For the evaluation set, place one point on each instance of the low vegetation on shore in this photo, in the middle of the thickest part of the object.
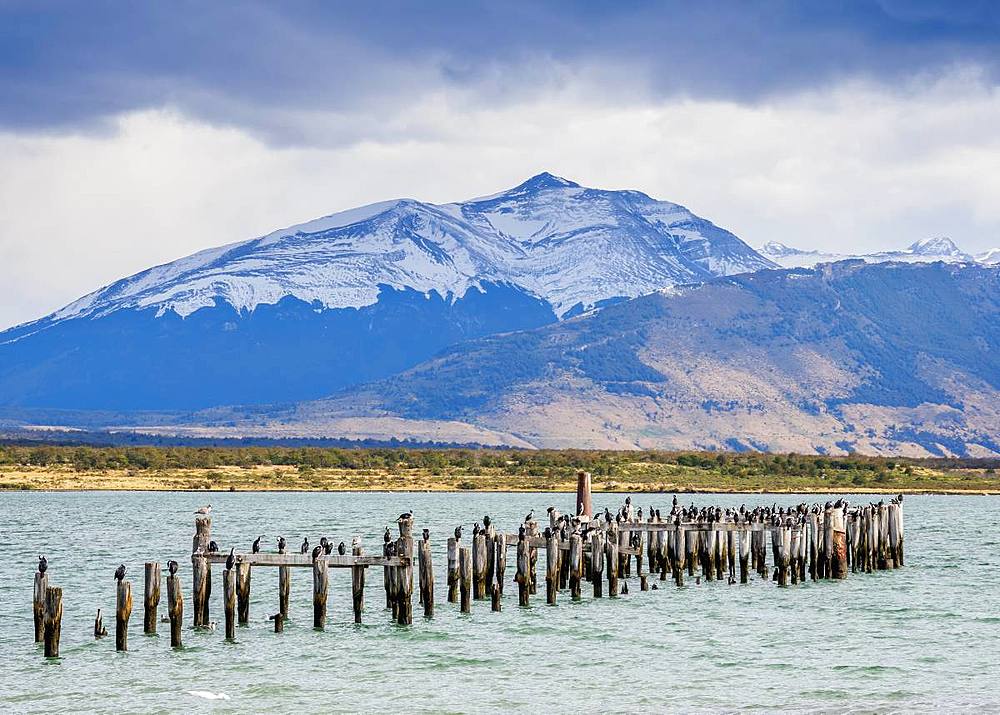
(54, 467)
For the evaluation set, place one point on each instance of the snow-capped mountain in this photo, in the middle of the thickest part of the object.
(358, 295)
(927, 250)
(990, 257)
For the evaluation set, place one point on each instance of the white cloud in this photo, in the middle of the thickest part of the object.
(854, 167)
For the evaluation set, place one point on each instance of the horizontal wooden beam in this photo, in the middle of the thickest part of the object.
(334, 561)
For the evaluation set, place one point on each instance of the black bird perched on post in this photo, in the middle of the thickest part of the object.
(212, 547)
(530, 517)
(120, 572)
(521, 533)
(458, 533)
(304, 549)
(387, 537)
(675, 500)
(487, 521)
(231, 559)
(341, 548)
(256, 545)
(328, 548)
(316, 552)
(281, 543)
(547, 532)
(607, 515)
(475, 529)
(43, 564)
(172, 567)
(427, 534)
(406, 515)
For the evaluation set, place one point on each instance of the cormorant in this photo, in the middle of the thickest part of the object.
(328, 548)
(120, 572)
(304, 549)
(256, 545)
(172, 567)
(212, 547)
(458, 533)
(231, 559)
(43, 564)
(530, 517)
(341, 548)
(406, 515)
(427, 534)
(487, 521)
(475, 529)
(316, 552)
(387, 537)
(281, 543)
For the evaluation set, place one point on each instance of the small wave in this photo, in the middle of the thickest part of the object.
(208, 695)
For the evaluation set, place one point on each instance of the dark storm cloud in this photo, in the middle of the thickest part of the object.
(256, 65)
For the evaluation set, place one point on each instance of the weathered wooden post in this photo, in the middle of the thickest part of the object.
(52, 611)
(99, 630)
(611, 552)
(453, 570)
(500, 560)
(744, 548)
(175, 609)
(813, 523)
(201, 582)
(243, 591)
(732, 549)
(465, 577)
(680, 541)
(479, 566)
(279, 622)
(575, 565)
(523, 575)
(839, 555)
(321, 584)
(123, 611)
(597, 562)
(794, 552)
(151, 597)
(358, 584)
(532, 530)
(551, 568)
(691, 549)
(38, 605)
(496, 604)
(583, 507)
(284, 584)
(229, 601)
(624, 560)
(426, 578)
(404, 575)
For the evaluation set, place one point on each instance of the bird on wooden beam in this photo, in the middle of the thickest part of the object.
(172, 567)
(387, 536)
(427, 534)
(120, 572)
(212, 547)
(231, 559)
(341, 548)
(304, 549)
(458, 533)
(43, 564)
(316, 552)
(281, 543)
(255, 548)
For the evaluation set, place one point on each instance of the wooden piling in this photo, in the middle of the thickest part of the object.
(38, 605)
(597, 563)
(523, 575)
(839, 556)
(358, 585)
(500, 560)
(496, 605)
(284, 587)
(99, 630)
(199, 585)
(201, 582)
(575, 565)
(279, 622)
(489, 534)
(583, 502)
(611, 562)
(123, 611)
(551, 569)
(151, 597)
(426, 579)
(321, 584)
(453, 570)
(243, 592)
(465, 577)
(479, 566)
(229, 601)
(175, 609)
(404, 575)
(52, 611)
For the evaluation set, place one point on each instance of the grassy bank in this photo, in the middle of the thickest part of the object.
(273, 469)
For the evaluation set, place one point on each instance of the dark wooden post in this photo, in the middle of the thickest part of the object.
(551, 568)
(426, 578)
(201, 582)
(52, 621)
(453, 570)
(489, 533)
(123, 611)
(284, 587)
(575, 565)
(358, 585)
(500, 560)
(229, 601)
(151, 597)
(175, 608)
(38, 605)
(465, 577)
(611, 552)
(583, 507)
(321, 583)
(243, 591)
(839, 555)
(479, 566)
(597, 562)
(99, 630)
(523, 575)
(404, 573)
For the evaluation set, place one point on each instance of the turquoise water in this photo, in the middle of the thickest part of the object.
(922, 638)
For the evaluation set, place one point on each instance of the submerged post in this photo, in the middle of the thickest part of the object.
(151, 597)
(175, 608)
(123, 611)
(52, 621)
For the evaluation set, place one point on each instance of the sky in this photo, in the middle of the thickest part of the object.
(132, 134)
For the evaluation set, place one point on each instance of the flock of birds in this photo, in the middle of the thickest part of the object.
(567, 524)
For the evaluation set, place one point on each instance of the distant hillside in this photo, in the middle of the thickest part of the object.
(881, 359)
(928, 250)
(356, 296)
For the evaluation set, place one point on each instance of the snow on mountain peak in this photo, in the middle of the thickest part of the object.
(550, 237)
(938, 246)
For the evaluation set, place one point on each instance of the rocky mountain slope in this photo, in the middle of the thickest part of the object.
(356, 296)
(886, 358)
